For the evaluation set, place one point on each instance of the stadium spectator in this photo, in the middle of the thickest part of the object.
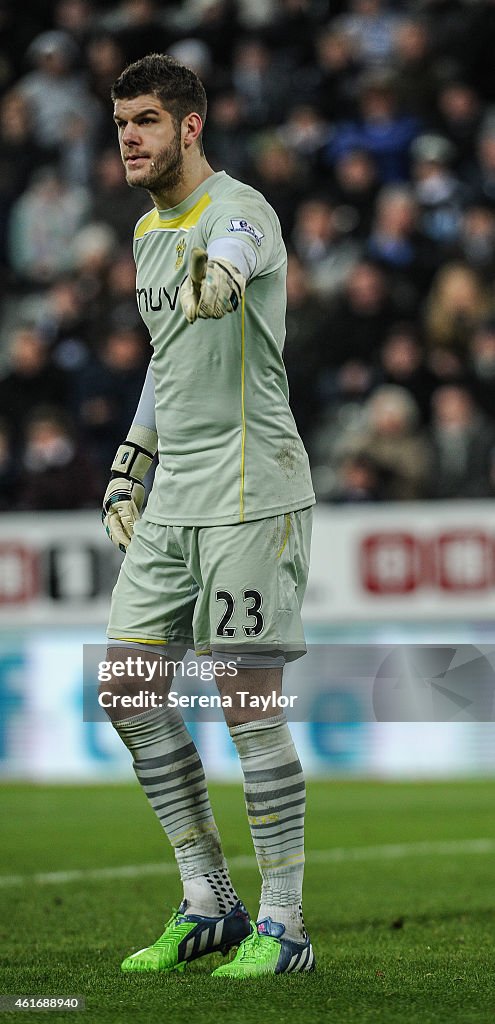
(307, 334)
(343, 393)
(371, 26)
(42, 224)
(281, 175)
(304, 133)
(439, 194)
(94, 248)
(402, 363)
(396, 243)
(475, 243)
(361, 313)
(358, 480)
(55, 472)
(196, 55)
(416, 72)
(381, 129)
(120, 303)
(459, 118)
(216, 23)
(31, 380)
(225, 136)
(104, 59)
(74, 17)
(107, 392)
(463, 447)
(55, 91)
(328, 255)
(138, 27)
(354, 189)
(456, 304)
(253, 14)
(448, 365)
(262, 87)
(291, 33)
(20, 156)
(64, 325)
(392, 441)
(330, 83)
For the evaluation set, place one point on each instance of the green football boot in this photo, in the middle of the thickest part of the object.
(265, 951)
(189, 936)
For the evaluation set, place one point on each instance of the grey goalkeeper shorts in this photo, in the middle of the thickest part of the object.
(229, 589)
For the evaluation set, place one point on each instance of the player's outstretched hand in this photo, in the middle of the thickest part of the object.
(211, 289)
(124, 495)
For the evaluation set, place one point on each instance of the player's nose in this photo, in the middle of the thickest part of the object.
(130, 135)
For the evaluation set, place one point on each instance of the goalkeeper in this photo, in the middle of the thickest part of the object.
(218, 562)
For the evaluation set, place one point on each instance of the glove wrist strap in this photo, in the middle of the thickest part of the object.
(144, 437)
(131, 461)
(134, 457)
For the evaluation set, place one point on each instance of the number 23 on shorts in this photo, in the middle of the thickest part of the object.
(254, 621)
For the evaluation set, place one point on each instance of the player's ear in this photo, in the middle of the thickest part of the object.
(192, 127)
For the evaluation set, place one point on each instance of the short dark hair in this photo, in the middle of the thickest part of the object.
(179, 89)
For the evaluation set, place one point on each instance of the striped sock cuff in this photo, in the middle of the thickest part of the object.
(260, 724)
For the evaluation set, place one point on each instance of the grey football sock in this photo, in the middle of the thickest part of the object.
(274, 790)
(169, 768)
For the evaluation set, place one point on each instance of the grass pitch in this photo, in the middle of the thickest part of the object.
(399, 900)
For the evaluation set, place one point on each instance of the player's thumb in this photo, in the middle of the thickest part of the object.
(197, 266)
(190, 290)
(189, 299)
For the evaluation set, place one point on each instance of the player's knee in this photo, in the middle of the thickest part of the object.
(254, 694)
(118, 685)
(111, 691)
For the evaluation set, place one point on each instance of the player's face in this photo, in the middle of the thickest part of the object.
(150, 143)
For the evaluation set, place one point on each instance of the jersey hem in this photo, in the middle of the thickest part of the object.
(230, 520)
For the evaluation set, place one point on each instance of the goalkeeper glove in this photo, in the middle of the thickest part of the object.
(124, 495)
(212, 287)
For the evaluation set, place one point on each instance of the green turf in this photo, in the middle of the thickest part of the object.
(409, 940)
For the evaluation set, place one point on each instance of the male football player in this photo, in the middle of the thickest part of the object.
(219, 560)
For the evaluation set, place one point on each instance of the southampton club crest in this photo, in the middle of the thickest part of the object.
(180, 249)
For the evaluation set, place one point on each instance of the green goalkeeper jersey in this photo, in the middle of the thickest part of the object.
(228, 447)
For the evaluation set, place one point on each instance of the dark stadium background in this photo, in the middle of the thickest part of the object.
(369, 127)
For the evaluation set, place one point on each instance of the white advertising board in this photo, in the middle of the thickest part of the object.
(401, 562)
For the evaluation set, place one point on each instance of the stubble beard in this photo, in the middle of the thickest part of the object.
(167, 169)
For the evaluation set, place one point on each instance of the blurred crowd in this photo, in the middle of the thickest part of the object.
(370, 127)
